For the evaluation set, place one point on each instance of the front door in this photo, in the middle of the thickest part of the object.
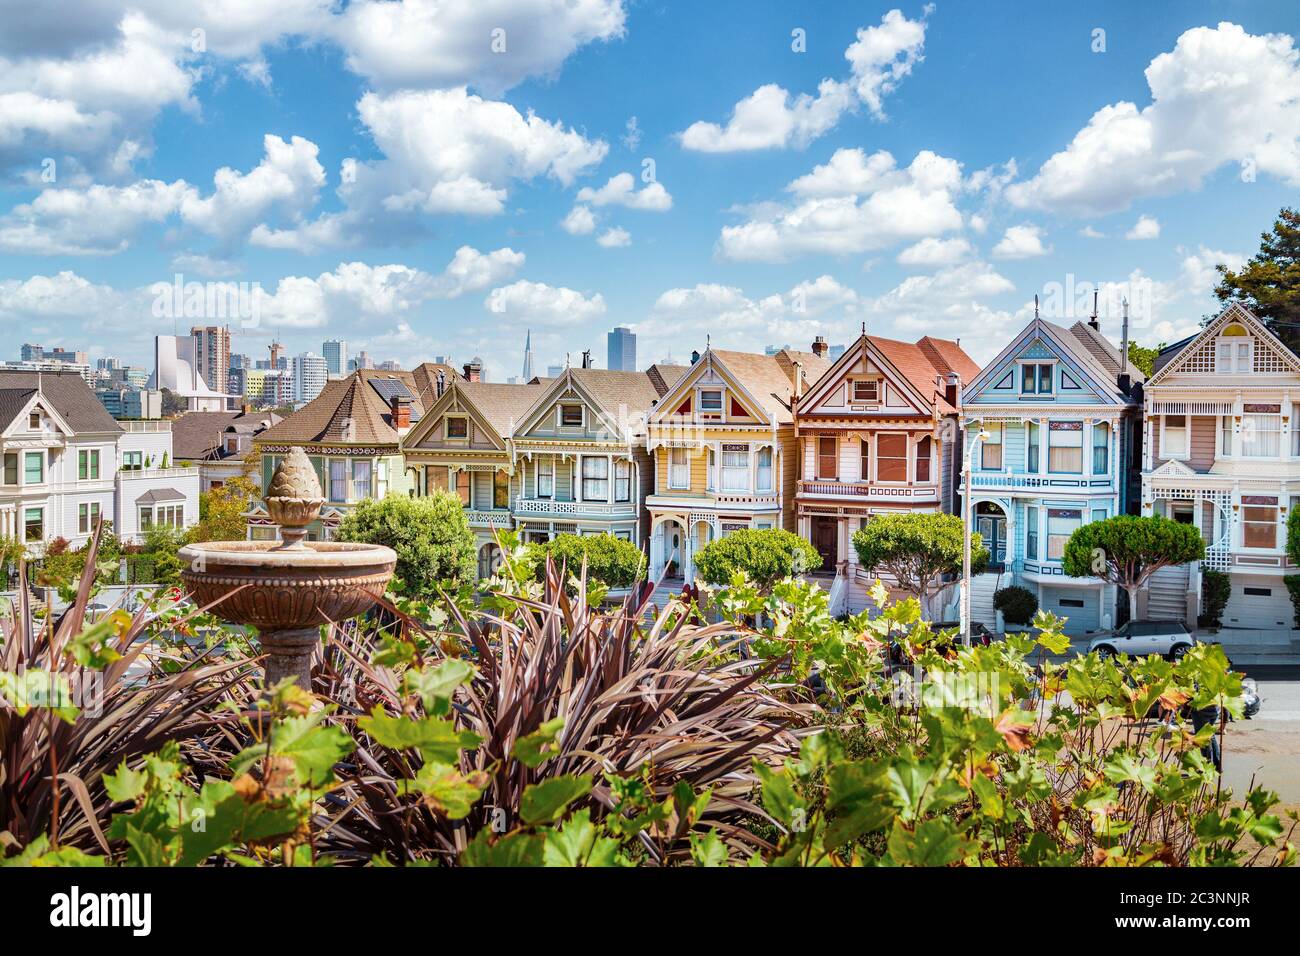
(826, 540)
(993, 532)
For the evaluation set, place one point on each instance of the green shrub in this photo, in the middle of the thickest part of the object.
(431, 536)
(612, 561)
(918, 550)
(1018, 605)
(1293, 585)
(1216, 586)
(766, 555)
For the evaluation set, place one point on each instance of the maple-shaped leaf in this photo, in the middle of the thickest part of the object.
(1014, 729)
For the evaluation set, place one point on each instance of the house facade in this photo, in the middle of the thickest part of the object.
(219, 444)
(1062, 409)
(725, 452)
(876, 434)
(1222, 452)
(67, 463)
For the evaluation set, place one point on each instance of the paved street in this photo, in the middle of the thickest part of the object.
(1268, 746)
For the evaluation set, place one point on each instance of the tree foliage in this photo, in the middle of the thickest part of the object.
(766, 555)
(612, 561)
(1144, 358)
(1017, 604)
(917, 550)
(222, 510)
(1126, 550)
(431, 536)
(1269, 284)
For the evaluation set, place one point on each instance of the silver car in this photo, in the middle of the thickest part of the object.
(1142, 638)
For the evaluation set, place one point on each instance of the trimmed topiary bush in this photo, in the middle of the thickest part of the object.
(765, 554)
(1018, 605)
(612, 561)
(431, 536)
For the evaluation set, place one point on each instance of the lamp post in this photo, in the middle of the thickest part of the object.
(980, 436)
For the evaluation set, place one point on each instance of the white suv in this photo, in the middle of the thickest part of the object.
(1142, 638)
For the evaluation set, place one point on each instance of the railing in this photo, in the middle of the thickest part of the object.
(152, 425)
(548, 506)
(864, 489)
(1006, 480)
(176, 471)
(489, 519)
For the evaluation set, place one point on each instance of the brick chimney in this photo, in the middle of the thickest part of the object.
(474, 370)
(820, 348)
(400, 405)
(952, 390)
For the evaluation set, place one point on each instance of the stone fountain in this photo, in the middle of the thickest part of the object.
(287, 589)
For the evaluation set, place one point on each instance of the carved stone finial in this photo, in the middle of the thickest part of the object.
(294, 498)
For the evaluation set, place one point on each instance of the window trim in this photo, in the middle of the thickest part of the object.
(759, 487)
(446, 427)
(905, 458)
(560, 408)
(1187, 443)
(549, 475)
(685, 465)
(854, 399)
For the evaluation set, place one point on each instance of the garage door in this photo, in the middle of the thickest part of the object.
(1258, 602)
(1079, 605)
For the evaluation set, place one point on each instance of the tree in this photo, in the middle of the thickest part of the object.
(1144, 358)
(1126, 550)
(612, 561)
(1269, 284)
(766, 555)
(222, 510)
(431, 536)
(917, 550)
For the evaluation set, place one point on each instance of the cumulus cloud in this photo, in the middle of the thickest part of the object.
(1221, 96)
(853, 204)
(614, 238)
(621, 191)
(1020, 242)
(772, 117)
(935, 252)
(540, 304)
(580, 221)
(1147, 227)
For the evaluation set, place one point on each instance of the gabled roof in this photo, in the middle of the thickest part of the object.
(920, 365)
(665, 377)
(347, 411)
(198, 435)
(67, 393)
(1234, 312)
(1105, 352)
(1098, 359)
(502, 405)
(770, 379)
(619, 397)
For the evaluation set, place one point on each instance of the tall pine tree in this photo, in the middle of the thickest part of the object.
(1269, 284)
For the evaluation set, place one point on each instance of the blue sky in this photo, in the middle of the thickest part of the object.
(385, 175)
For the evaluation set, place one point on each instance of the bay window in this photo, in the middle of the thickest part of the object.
(595, 478)
(827, 458)
(1065, 447)
(1100, 448)
(1173, 440)
(764, 469)
(923, 458)
(891, 457)
(1061, 523)
(991, 452)
(1261, 435)
(545, 477)
(735, 467)
(623, 480)
(679, 468)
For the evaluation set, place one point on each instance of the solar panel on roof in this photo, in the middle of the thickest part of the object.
(389, 388)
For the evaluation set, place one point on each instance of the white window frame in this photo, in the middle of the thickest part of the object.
(1187, 439)
(559, 414)
(722, 399)
(544, 469)
(855, 399)
(673, 467)
(596, 479)
(728, 474)
(446, 427)
(1235, 357)
(622, 480)
(1246, 427)
(1038, 377)
(87, 514)
(759, 484)
(1275, 523)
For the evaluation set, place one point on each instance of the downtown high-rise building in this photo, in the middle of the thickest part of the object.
(621, 343)
(336, 356)
(212, 355)
(310, 373)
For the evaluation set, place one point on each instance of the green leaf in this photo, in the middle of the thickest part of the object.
(515, 849)
(547, 801)
(578, 843)
(436, 685)
(446, 788)
(126, 784)
(707, 849)
(533, 749)
(934, 842)
(437, 740)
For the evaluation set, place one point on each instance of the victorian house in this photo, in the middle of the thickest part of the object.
(724, 449)
(463, 444)
(877, 434)
(1061, 412)
(1223, 453)
(580, 456)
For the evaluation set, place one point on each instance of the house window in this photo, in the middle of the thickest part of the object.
(595, 479)
(34, 421)
(1065, 447)
(361, 478)
(1173, 440)
(864, 462)
(1100, 449)
(827, 458)
(1098, 514)
(1031, 533)
(87, 515)
(33, 524)
(435, 478)
(1036, 379)
(11, 468)
(146, 519)
(679, 469)
(1033, 438)
(33, 467)
(764, 456)
(457, 426)
(1259, 526)
(545, 477)
(735, 467)
(500, 489)
(1061, 523)
(711, 400)
(463, 486)
(381, 478)
(134, 461)
(923, 458)
(866, 391)
(991, 452)
(571, 416)
(710, 469)
(891, 457)
(623, 535)
(1231, 354)
(169, 516)
(338, 479)
(232, 443)
(1261, 436)
(623, 480)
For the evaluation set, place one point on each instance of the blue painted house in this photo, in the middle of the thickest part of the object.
(1062, 410)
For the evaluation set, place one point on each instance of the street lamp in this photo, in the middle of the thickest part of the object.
(980, 436)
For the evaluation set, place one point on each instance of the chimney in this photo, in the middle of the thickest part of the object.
(952, 390)
(1093, 321)
(442, 383)
(474, 370)
(586, 358)
(400, 405)
(820, 347)
(695, 356)
(798, 379)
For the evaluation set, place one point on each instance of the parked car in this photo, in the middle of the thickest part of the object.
(1142, 638)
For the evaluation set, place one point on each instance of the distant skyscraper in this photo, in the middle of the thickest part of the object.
(239, 361)
(554, 371)
(362, 361)
(32, 353)
(622, 350)
(309, 376)
(277, 350)
(212, 354)
(336, 356)
(108, 363)
(528, 356)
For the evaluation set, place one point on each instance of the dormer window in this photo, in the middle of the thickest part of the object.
(1036, 378)
(457, 426)
(711, 400)
(34, 421)
(571, 416)
(1233, 354)
(866, 391)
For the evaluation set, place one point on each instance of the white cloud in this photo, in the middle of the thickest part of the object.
(772, 117)
(580, 221)
(1221, 96)
(621, 191)
(935, 252)
(62, 296)
(1020, 242)
(471, 270)
(1090, 233)
(614, 238)
(1147, 227)
(853, 204)
(541, 304)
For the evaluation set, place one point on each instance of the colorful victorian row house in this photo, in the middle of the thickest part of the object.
(876, 434)
(1061, 409)
(725, 452)
(1222, 452)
